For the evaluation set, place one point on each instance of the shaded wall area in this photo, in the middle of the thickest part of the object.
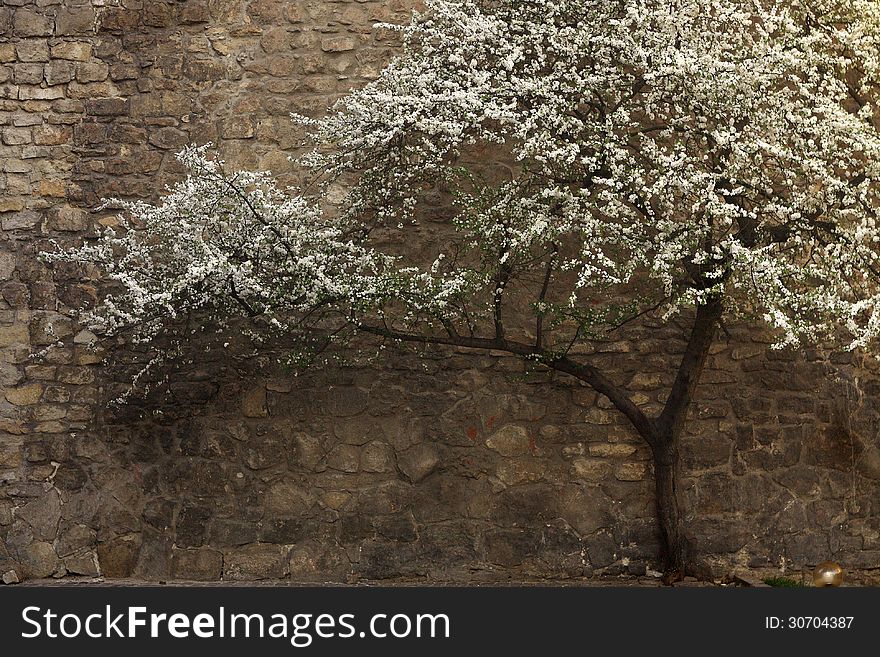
(440, 465)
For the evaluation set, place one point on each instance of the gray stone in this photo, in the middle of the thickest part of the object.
(60, 72)
(27, 23)
(21, 220)
(75, 21)
(43, 514)
(10, 577)
(7, 265)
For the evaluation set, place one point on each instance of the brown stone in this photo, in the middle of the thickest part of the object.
(253, 403)
(79, 51)
(118, 19)
(631, 472)
(510, 440)
(168, 138)
(28, 73)
(203, 564)
(157, 14)
(255, 562)
(344, 458)
(377, 457)
(593, 470)
(267, 11)
(24, 395)
(16, 136)
(15, 334)
(418, 462)
(90, 133)
(107, 106)
(204, 70)
(38, 560)
(84, 563)
(194, 11)
(337, 44)
(118, 557)
(238, 127)
(315, 562)
(611, 449)
(92, 72)
(50, 135)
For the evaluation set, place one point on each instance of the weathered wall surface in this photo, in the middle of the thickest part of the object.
(450, 467)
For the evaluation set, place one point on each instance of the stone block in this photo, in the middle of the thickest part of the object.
(312, 561)
(24, 395)
(118, 557)
(510, 440)
(418, 462)
(51, 135)
(194, 11)
(59, 71)
(631, 472)
(107, 106)
(255, 562)
(253, 403)
(32, 50)
(337, 44)
(28, 73)
(30, 92)
(92, 72)
(75, 21)
(16, 334)
(16, 136)
(28, 23)
(77, 51)
(202, 565)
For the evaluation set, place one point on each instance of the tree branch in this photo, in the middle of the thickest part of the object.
(671, 420)
(539, 322)
(586, 373)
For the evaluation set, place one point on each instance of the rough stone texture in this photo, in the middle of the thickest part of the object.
(454, 467)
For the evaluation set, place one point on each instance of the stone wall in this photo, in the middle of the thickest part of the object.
(442, 465)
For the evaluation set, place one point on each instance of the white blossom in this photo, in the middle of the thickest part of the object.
(692, 148)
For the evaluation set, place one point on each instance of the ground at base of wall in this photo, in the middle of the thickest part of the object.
(744, 579)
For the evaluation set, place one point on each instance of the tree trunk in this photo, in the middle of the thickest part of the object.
(666, 477)
(666, 430)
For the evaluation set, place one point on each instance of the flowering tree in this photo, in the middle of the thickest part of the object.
(716, 156)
